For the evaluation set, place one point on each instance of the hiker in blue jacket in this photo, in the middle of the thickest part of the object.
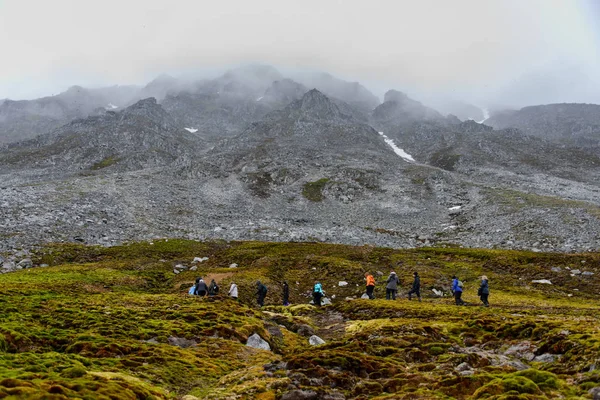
(484, 291)
(317, 293)
(457, 289)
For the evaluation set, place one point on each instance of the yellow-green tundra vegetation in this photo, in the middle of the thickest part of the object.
(117, 323)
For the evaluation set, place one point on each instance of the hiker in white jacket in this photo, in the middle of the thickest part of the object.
(233, 291)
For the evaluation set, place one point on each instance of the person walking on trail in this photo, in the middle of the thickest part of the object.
(233, 291)
(317, 293)
(213, 288)
(261, 293)
(484, 291)
(392, 286)
(286, 294)
(457, 289)
(370, 285)
(201, 289)
(416, 287)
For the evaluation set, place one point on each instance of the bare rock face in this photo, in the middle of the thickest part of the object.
(269, 159)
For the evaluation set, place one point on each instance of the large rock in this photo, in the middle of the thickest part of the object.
(542, 281)
(181, 342)
(314, 340)
(25, 263)
(9, 266)
(342, 283)
(595, 393)
(325, 301)
(257, 342)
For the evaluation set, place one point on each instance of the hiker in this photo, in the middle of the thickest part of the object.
(370, 285)
(213, 288)
(286, 294)
(317, 293)
(484, 291)
(261, 293)
(416, 287)
(233, 291)
(457, 289)
(392, 286)
(201, 289)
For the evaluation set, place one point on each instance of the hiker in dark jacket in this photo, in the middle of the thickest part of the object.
(213, 288)
(392, 286)
(416, 287)
(261, 293)
(201, 289)
(286, 294)
(457, 291)
(484, 291)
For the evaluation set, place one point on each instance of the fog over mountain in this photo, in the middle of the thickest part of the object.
(495, 54)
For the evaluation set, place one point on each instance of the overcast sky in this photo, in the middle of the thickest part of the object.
(492, 52)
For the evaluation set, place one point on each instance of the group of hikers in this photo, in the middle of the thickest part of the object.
(391, 290)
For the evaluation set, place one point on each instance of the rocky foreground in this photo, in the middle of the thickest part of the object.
(116, 322)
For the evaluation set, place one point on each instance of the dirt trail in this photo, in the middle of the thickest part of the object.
(330, 324)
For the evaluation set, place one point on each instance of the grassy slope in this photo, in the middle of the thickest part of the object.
(97, 324)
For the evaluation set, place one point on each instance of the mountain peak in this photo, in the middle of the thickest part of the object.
(395, 95)
(315, 104)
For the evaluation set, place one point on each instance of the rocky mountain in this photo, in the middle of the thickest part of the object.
(574, 124)
(398, 109)
(352, 93)
(25, 119)
(252, 155)
(141, 136)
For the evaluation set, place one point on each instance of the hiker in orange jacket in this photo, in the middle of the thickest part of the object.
(370, 285)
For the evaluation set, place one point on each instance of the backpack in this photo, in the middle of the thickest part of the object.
(263, 289)
(460, 284)
(192, 290)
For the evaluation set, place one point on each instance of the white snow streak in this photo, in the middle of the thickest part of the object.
(191, 130)
(405, 156)
(260, 98)
(454, 208)
(111, 106)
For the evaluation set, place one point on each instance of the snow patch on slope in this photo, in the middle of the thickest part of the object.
(405, 156)
(111, 106)
(191, 130)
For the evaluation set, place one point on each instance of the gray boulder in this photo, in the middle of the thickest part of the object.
(257, 342)
(545, 358)
(325, 301)
(181, 342)
(462, 367)
(9, 266)
(595, 393)
(25, 263)
(314, 340)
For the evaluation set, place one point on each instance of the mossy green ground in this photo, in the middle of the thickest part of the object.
(102, 323)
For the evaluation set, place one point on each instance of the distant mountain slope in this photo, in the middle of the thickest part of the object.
(141, 136)
(353, 93)
(25, 119)
(311, 137)
(578, 124)
(398, 110)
